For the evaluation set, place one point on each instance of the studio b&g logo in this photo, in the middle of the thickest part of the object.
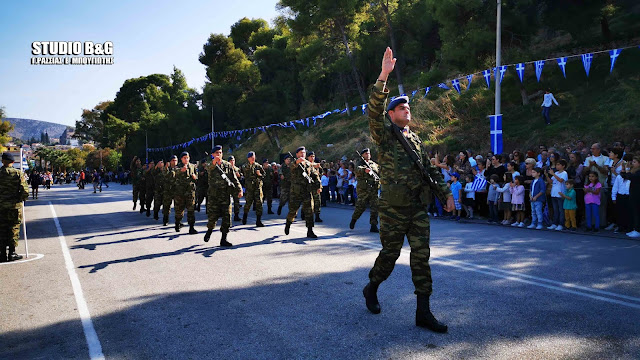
(71, 53)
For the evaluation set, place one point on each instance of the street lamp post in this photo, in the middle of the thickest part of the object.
(498, 56)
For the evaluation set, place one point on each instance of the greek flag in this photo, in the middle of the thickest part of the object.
(479, 183)
(487, 77)
(456, 85)
(426, 91)
(613, 54)
(469, 79)
(562, 62)
(520, 71)
(496, 133)
(443, 86)
(502, 70)
(539, 67)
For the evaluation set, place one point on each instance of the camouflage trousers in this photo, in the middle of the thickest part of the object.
(284, 195)
(157, 201)
(142, 195)
(253, 195)
(166, 203)
(267, 193)
(316, 202)
(149, 198)
(182, 202)
(10, 220)
(200, 196)
(236, 204)
(367, 196)
(396, 223)
(301, 196)
(136, 192)
(219, 208)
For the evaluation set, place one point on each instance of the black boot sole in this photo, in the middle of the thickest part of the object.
(441, 329)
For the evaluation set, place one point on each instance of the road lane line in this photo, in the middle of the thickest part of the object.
(513, 276)
(95, 348)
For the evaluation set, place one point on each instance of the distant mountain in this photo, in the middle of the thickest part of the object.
(25, 129)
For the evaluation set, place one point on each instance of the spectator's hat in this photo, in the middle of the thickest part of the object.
(273, 163)
(397, 101)
(301, 148)
(310, 153)
(456, 175)
(365, 150)
(184, 153)
(216, 148)
(7, 156)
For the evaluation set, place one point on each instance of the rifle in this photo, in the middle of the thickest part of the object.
(222, 173)
(304, 173)
(373, 173)
(416, 160)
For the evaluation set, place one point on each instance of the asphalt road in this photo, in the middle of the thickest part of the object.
(152, 293)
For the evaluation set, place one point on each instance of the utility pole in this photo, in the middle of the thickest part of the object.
(498, 56)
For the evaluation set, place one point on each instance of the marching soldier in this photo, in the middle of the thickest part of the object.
(142, 186)
(267, 184)
(316, 187)
(285, 182)
(236, 199)
(367, 189)
(223, 183)
(301, 192)
(184, 192)
(405, 196)
(13, 191)
(201, 185)
(167, 191)
(253, 175)
(135, 179)
(150, 185)
(158, 180)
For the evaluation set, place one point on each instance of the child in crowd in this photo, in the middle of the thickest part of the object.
(456, 190)
(517, 200)
(592, 201)
(570, 206)
(506, 198)
(557, 187)
(469, 200)
(537, 197)
(492, 198)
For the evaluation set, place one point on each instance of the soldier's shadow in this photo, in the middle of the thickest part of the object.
(208, 252)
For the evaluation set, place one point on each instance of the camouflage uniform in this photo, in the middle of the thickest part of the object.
(167, 191)
(159, 180)
(300, 192)
(367, 190)
(201, 186)
(313, 188)
(219, 195)
(236, 199)
(404, 198)
(184, 192)
(253, 183)
(142, 187)
(150, 187)
(13, 191)
(135, 180)
(285, 186)
(267, 186)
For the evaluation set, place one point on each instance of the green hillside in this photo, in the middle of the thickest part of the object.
(603, 107)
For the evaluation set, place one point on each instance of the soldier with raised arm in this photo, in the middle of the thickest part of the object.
(404, 198)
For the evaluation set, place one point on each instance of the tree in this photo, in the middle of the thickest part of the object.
(5, 128)
(242, 31)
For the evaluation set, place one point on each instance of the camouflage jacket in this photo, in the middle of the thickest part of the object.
(367, 180)
(219, 189)
(297, 179)
(13, 188)
(203, 179)
(285, 171)
(183, 183)
(149, 180)
(267, 181)
(141, 177)
(398, 173)
(251, 179)
(315, 176)
(159, 179)
(168, 183)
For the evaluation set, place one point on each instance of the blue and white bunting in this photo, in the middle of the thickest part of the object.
(562, 63)
(613, 54)
(539, 67)
(503, 69)
(469, 80)
(413, 93)
(426, 91)
(443, 86)
(456, 85)
(520, 70)
(487, 77)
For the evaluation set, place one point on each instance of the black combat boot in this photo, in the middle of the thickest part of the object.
(244, 219)
(279, 210)
(165, 220)
(207, 236)
(192, 229)
(155, 215)
(287, 226)
(148, 212)
(370, 293)
(236, 218)
(270, 212)
(424, 317)
(310, 233)
(141, 208)
(224, 242)
(352, 224)
(134, 205)
(259, 223)
(374, 229)
(12, 253)
(178, 227)
(318, 220)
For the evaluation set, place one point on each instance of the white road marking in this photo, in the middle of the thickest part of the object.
(31, 258)
(95, 348)
(574, 289)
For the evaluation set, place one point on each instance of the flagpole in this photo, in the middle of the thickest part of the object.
(498, 56)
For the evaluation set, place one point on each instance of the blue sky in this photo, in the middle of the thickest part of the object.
(148, 37)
